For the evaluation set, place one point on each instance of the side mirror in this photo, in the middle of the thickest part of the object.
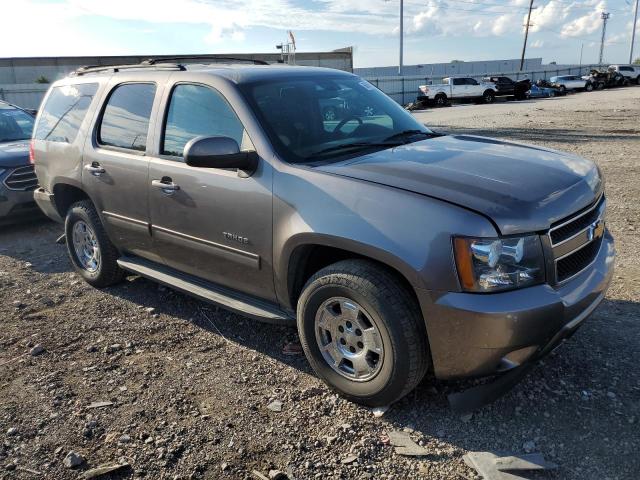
(219, 152)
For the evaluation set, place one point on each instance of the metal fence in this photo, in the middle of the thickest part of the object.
(405, 89)
(402, 89)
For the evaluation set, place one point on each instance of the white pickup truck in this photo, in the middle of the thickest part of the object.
(456, 89)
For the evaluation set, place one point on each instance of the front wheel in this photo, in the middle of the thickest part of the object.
(362, 332)
(93, 255)
(488, 97)
(589, 87)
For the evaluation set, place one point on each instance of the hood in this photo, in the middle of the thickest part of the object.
(14, 153)
(520, 188)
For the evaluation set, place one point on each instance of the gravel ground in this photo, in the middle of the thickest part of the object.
(193, 391)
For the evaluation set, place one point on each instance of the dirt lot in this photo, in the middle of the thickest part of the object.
(189, 385)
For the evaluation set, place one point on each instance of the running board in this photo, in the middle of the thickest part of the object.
(207, 291)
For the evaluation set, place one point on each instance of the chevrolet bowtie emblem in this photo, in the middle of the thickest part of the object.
(595, 230)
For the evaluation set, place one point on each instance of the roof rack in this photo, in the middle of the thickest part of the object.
(116, 68)
(209, 58)
(165, 63)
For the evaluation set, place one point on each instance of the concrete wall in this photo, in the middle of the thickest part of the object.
(18, 75)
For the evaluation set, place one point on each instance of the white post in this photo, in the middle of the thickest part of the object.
(401, 35)
(633, 32)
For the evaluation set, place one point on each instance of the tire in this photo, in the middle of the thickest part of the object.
(600, 86)
(563, 89)
(638, 80)
(375, 301)
(83, 227)
(440, 100)
(552, 94)
(589, 87)
(488, 96)
(330, 114)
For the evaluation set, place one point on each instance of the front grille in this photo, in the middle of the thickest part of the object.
(575, 242)
(22, 178)
(577, 261)
(579, 222)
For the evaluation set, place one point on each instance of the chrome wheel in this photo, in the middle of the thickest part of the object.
(349, 339)
(85, 245)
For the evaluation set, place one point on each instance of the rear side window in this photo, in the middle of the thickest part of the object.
(196, 110)
(125, 121)
(64, 112)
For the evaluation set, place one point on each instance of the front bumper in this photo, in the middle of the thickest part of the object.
(16, 205)
(474, 335)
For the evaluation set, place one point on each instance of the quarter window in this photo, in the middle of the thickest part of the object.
(196, 110)
(125, 121)
(64, 112)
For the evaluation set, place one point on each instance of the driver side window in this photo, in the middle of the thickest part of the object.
(197, 110)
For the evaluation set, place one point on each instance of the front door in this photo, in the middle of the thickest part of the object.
(115, 166)
(211, 223)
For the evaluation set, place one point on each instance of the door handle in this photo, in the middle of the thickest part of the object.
(166, 185)
(94, 169)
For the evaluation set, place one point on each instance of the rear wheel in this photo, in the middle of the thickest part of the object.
(362, 332)
(638, 80)
(93, 255)
(440, 100)
(563, 89)
(589, 87)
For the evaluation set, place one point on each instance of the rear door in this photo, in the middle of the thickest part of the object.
(459, 87)
(115, 172)
(217, 225)
(474, 89)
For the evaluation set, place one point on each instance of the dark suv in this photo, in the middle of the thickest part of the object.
(17, 177)
(395, 249)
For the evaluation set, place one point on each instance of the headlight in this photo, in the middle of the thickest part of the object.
(494, 264)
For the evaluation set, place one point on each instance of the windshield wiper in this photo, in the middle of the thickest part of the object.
(356, 145)
(410, 133)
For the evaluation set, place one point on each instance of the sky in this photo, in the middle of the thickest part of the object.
(435, 30)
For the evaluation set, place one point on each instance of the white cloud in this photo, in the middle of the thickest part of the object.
(585, 24)
(503, 24)
(537, 44)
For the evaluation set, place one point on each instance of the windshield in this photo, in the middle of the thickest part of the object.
(323, 118)
(14, 124)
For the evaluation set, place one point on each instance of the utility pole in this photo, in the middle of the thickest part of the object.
(605, 17)
(401, 36)
(526, 35)
(581, 48)
(633, 32)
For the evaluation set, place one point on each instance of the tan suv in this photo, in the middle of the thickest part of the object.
(394, 249)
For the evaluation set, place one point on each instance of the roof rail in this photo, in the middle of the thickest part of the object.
(116, 68)
(155, 61)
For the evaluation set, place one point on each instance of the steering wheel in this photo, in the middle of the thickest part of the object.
(345, 120)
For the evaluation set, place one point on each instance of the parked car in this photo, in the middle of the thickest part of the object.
(609, 78)
(506, 86)
(457, 88)
(558, 92)
(572, 82)
(540, 92)
(630, 72)
(17, 177)
(395, 250)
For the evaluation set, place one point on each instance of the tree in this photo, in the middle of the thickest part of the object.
(637, 61)
(42, 79)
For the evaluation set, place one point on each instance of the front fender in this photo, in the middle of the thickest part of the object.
(409, 232)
